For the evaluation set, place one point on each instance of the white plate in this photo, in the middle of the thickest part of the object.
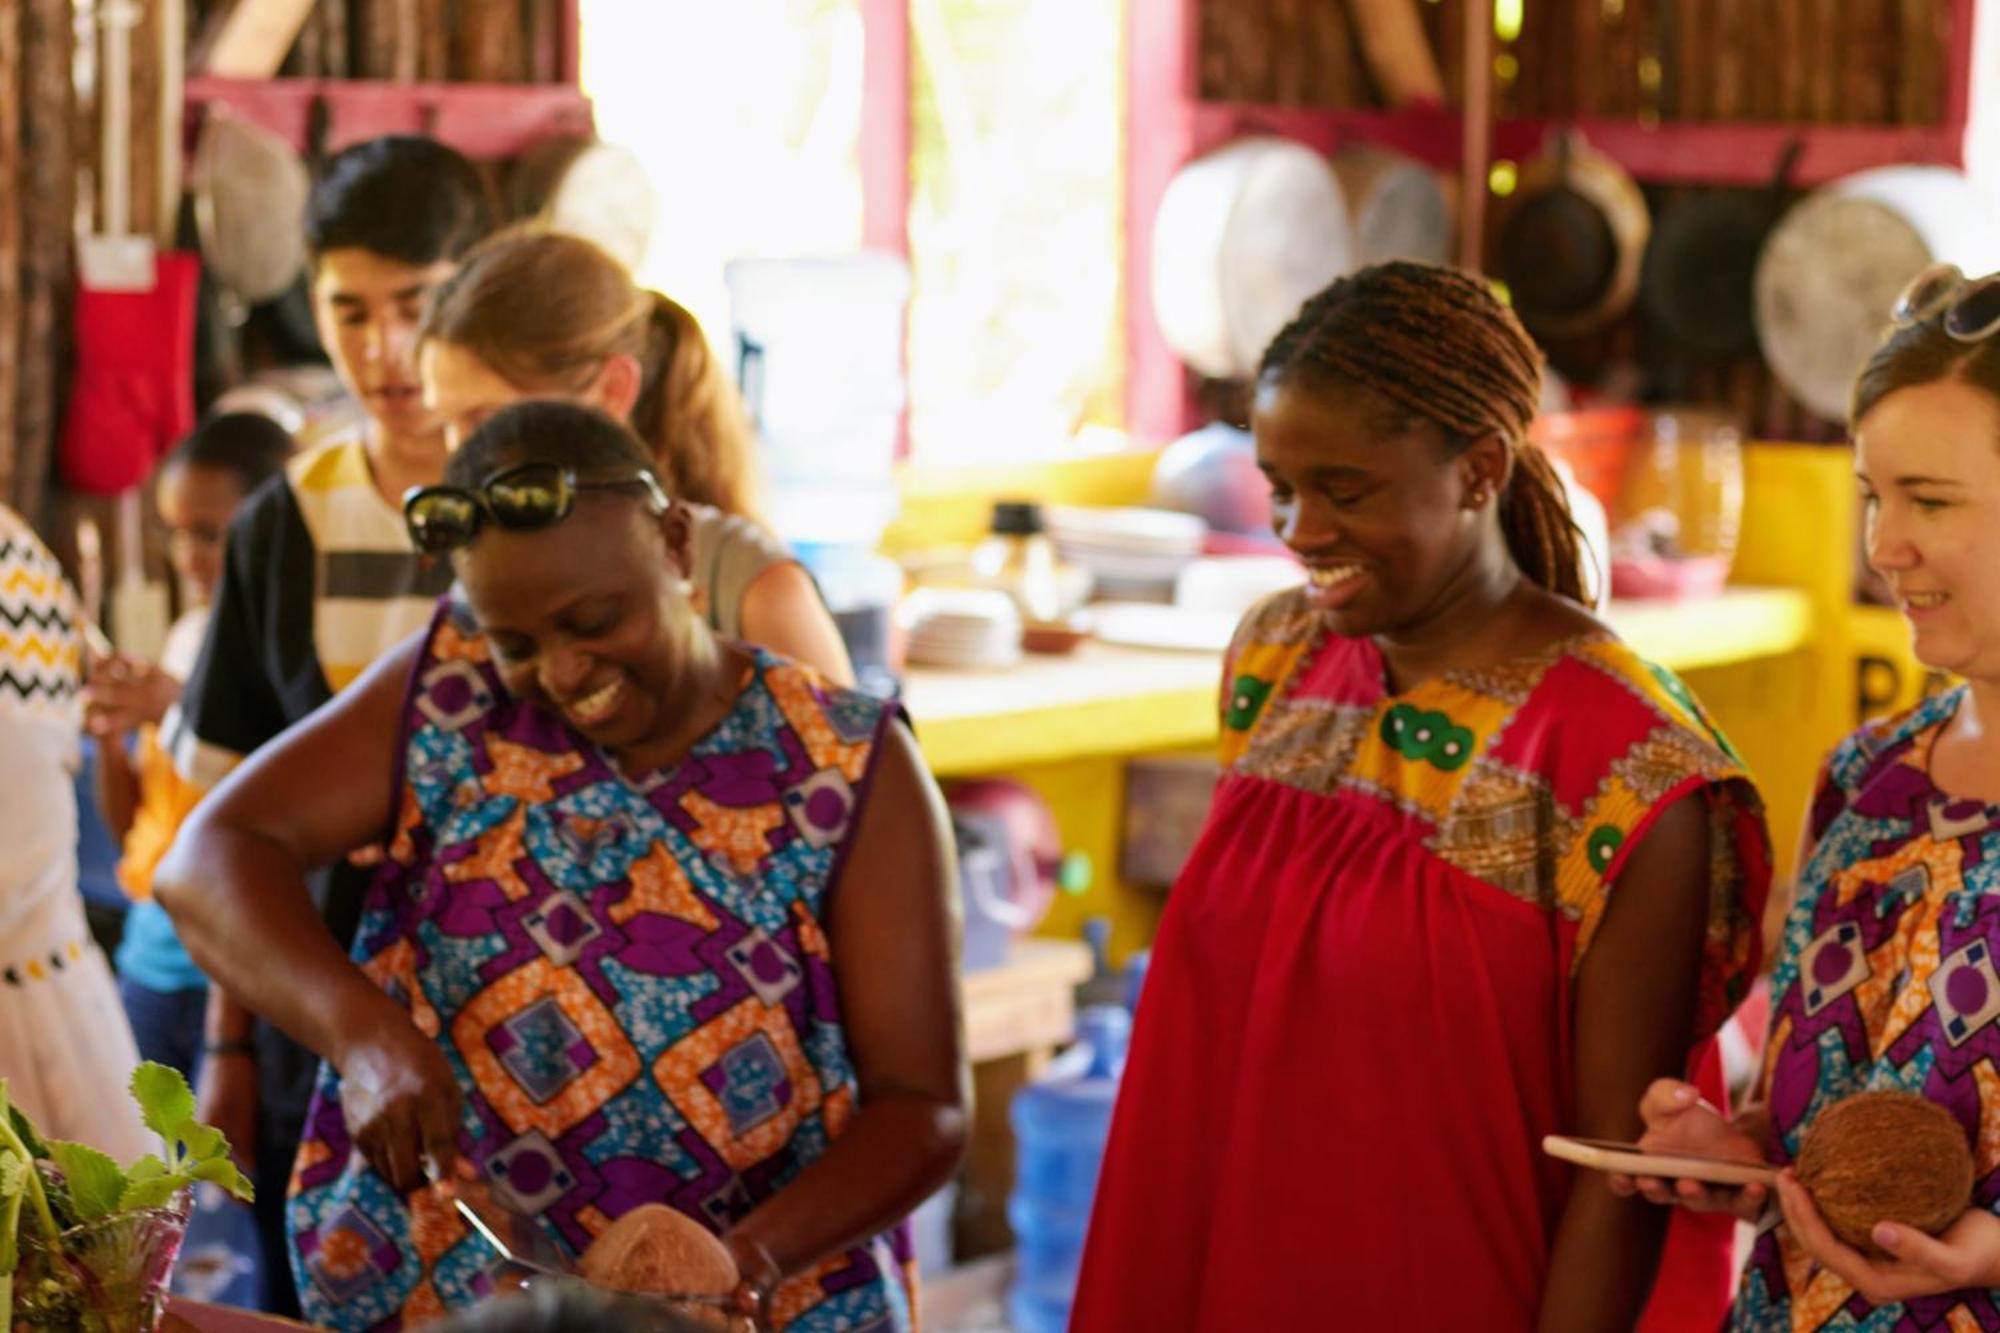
(1125, 526)
(1149, 625)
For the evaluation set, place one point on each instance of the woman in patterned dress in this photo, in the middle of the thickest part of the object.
(1886, 976)
(664, 918)
(1475, 873)
(66, 1051)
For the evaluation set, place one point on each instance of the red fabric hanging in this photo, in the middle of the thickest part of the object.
(133, 393)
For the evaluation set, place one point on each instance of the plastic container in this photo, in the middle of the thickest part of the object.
(1677, 519)
(1019, 559)
(820, 360)
(1060, 1127)
(1010, 865)
(1596, 442)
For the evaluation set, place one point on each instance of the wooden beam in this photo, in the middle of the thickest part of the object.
(1476, 135)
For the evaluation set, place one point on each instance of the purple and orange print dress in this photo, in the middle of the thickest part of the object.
(1887, 979)
(629, 977)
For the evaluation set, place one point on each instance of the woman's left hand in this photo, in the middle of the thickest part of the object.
(1916, 1265)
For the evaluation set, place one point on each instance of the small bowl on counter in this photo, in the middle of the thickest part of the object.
(1056, 636)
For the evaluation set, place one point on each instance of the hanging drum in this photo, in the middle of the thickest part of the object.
(1571, 238)
(249, 191)
(1399, 208)
(1243, 236)
(1837, 261)
(1698, 283)
(588, 188)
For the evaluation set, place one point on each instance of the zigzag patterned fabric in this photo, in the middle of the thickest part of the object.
(1886, 980)
(41, 652)
(630, 979)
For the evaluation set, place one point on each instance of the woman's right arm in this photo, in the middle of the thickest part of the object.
(1677, 1119)
(234, 883)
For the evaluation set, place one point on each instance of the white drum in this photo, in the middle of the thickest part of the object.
(1836, 262)
(1243, 236)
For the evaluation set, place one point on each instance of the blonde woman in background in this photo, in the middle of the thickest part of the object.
(540, 314)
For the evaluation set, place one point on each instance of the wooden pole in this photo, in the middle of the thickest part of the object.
(1477, 145)
(11, 204)
(47, 202)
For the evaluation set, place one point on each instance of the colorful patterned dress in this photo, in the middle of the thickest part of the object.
(1886, 980)
(630, 979)
(1357, 1024)
(54, 982)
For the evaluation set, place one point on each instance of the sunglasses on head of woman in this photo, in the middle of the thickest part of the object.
(519, 499)
(1971, 306)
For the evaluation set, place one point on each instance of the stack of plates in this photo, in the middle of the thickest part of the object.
(962, 627)
(1232, 584)
(1130, 551)
(1145, 625)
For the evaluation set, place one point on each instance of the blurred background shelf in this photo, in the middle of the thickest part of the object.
(481, 120)
(1655, 152)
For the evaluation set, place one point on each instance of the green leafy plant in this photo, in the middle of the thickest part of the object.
(48, 1186)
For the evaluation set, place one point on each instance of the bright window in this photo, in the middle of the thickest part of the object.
(1017, 192)
(746, 115)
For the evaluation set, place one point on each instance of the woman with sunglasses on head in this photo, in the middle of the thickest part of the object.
(1883, 980)
(541, 314)
(664, 918)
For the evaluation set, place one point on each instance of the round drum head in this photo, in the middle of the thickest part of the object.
(1558, 255)
(250, 194)
(1825, 283)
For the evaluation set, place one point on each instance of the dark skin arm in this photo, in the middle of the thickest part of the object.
(892, 925)
(237, 874)
(1678, 1120)
(1635, 1004)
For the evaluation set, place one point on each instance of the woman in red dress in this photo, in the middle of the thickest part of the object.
(1475, 873)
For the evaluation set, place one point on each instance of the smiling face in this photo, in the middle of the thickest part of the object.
(590, 618)
(1928, 459)
(1385, 523)
(367, 308)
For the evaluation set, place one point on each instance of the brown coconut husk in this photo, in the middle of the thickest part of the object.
(1886, 1157)
(657, 1250)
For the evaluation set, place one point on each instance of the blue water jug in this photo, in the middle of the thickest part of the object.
(1060, 1125)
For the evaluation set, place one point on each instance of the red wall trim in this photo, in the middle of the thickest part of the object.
(1160, 90)
(885, 125)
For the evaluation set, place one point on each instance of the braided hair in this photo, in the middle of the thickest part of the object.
(1437, 344)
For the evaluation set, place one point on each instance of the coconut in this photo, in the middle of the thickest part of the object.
(658, 1250)
(1886, 1157)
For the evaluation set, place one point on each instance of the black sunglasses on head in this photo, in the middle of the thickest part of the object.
(1971, 305)
(520, 499)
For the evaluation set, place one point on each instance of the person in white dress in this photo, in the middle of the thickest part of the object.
(66, 1050)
